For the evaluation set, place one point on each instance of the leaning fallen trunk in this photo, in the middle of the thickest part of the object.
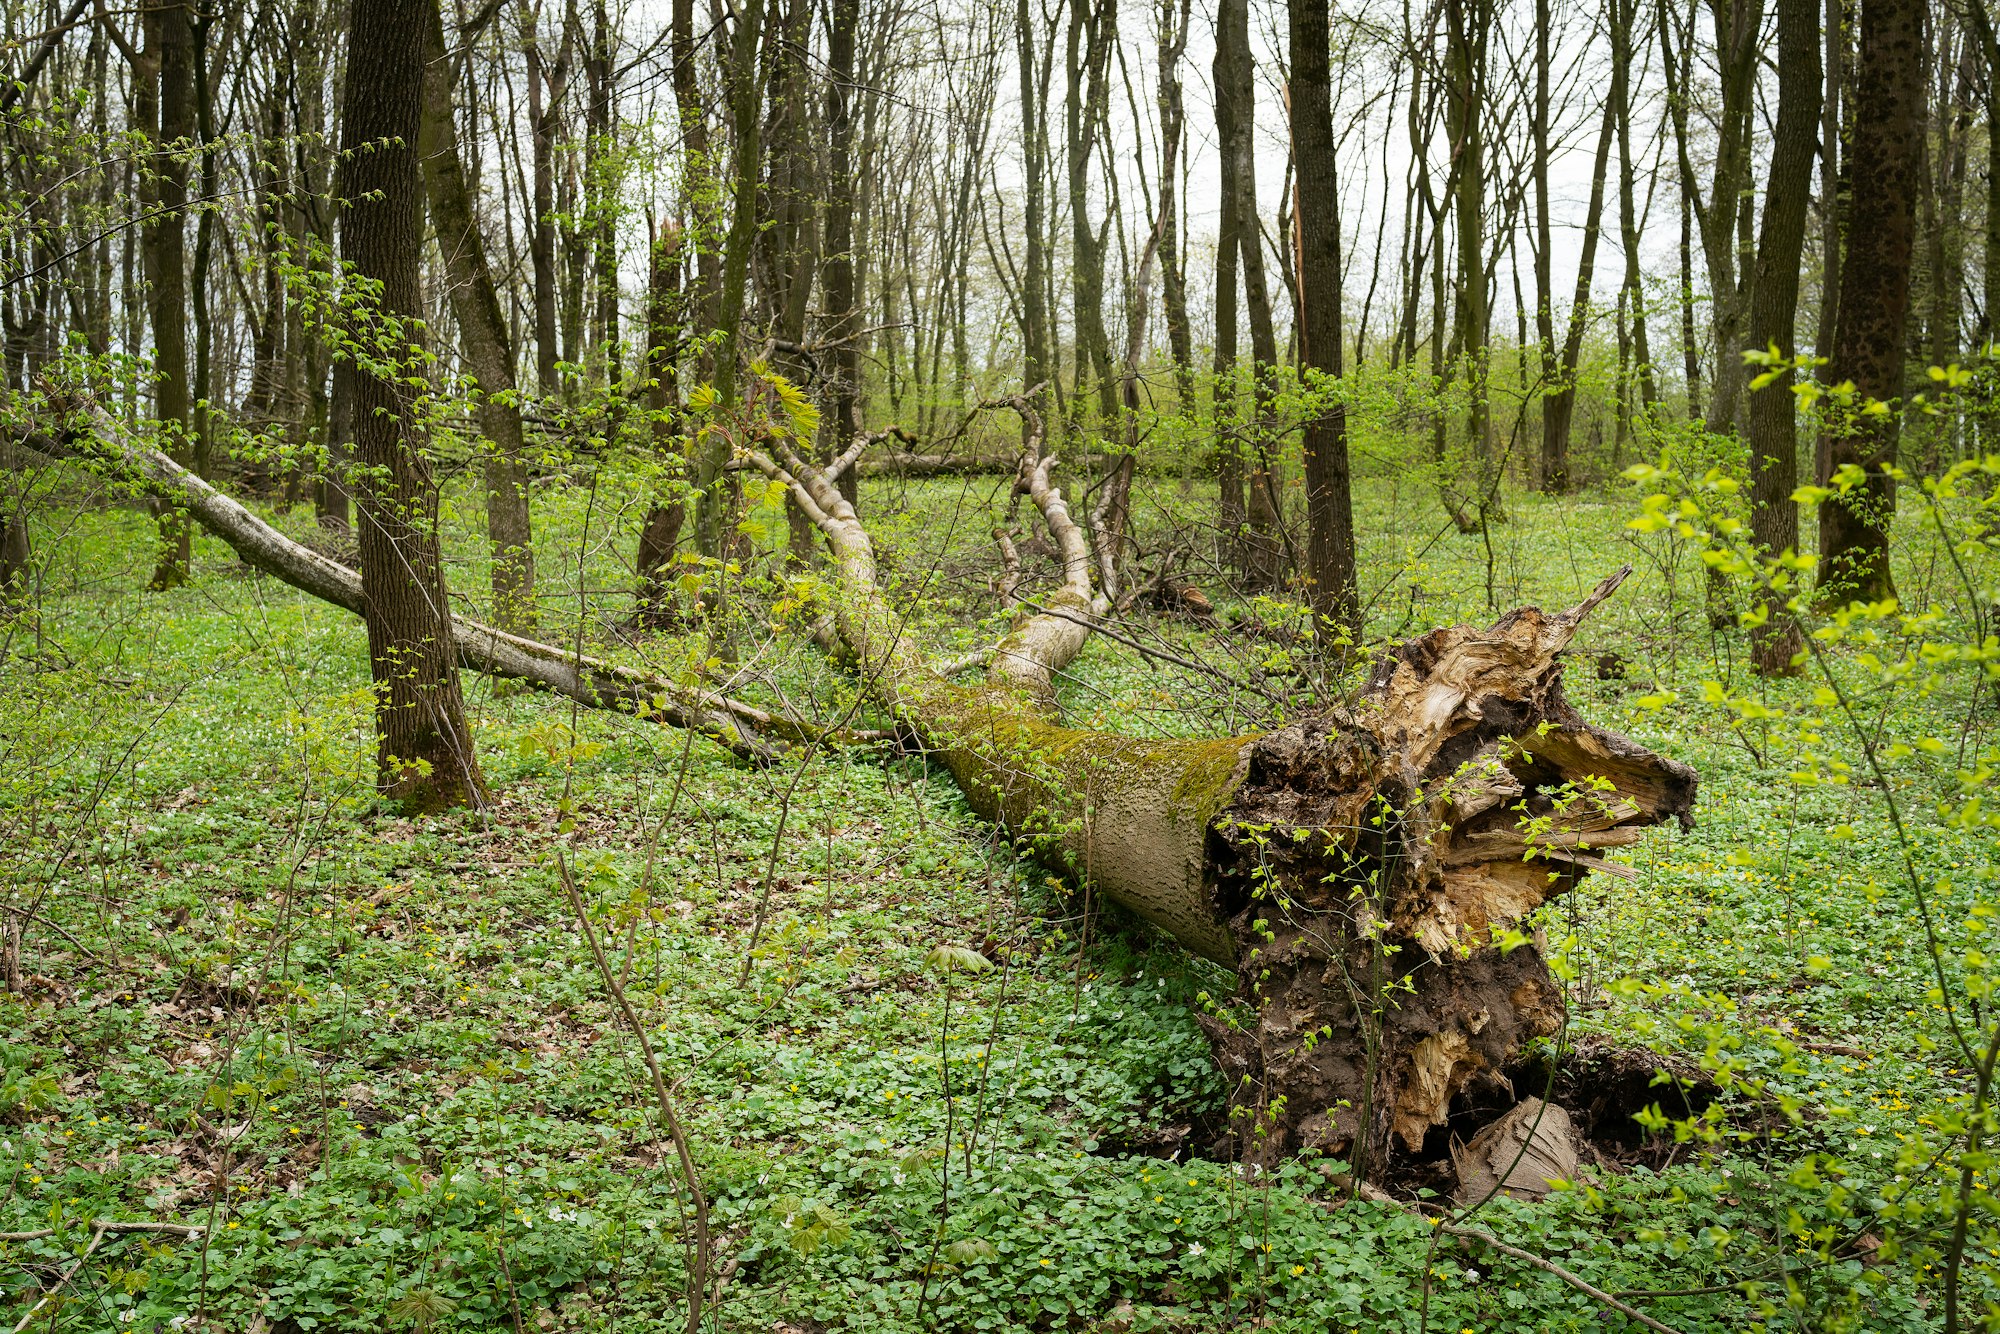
(739, 727)
(1367, 871)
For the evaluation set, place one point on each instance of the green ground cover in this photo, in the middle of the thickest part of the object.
(373, 1059)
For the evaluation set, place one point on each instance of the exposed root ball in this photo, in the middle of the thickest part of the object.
(1375, 868)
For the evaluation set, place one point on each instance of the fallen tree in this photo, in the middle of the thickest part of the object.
(747, 731)
(1366, 870)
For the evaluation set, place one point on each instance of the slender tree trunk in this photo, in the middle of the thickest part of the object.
(1834, 114)
(169, 67)
(424, 752)
(547, 82)
(1036, 347)
(602, 179)
(1173, 126)
(1874, 296)
(1229, 437)
(843, 320)
(1262, 554)
(1559, 402)
(203, 423)
(1093, 26)
(489, 349)
(1330, 556)
(745, 87)
(1774, 445)
(1989, 51)
(1623, 14)
(660, 533)
(1555, 448)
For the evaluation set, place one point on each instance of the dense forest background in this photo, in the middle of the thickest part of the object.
(985, 666)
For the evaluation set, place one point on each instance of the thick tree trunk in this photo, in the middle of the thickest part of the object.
(1887, 154)
(425, 757)
(489, 348)
(1358, 868)
(1774, 443)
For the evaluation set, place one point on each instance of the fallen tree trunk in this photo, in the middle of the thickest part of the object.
(1366, 871)
(741, 728)
(903, 464)
(1361, 870)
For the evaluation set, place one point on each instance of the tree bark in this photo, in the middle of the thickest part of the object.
(1259, 553)
(425, 759)
(1330, 561)
(843, 319)
(1173, 126)
(489, 348)
(660, 533)
(1774, 445)
(1868, 349)
(1559, 402)
(747, 44)
(1229, 436)
(547, 82)
(1093, 26)
(1036, 353)
(168, 67)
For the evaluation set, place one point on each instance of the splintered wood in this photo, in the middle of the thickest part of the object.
(1376, 869)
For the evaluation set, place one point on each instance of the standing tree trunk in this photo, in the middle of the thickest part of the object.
(489, 348)
(424, 751)
(1559, 405)
(665, 329)
(842, 319)
(547, 83)
(1093, 26)
(169, 65)
(1887, 154)
(1229, 437)
(1330, 563)
(745, 86)
(1261, 555)
(1036, 350)
(1623, 14)
(1468, 29)
(1555, 449)
(1173, 37)
(1774, 444)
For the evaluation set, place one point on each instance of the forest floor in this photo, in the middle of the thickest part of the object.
(373, 1060)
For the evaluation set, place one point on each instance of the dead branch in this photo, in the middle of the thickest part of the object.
(739, 727)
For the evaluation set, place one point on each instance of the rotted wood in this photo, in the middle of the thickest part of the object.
(1377, 865)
